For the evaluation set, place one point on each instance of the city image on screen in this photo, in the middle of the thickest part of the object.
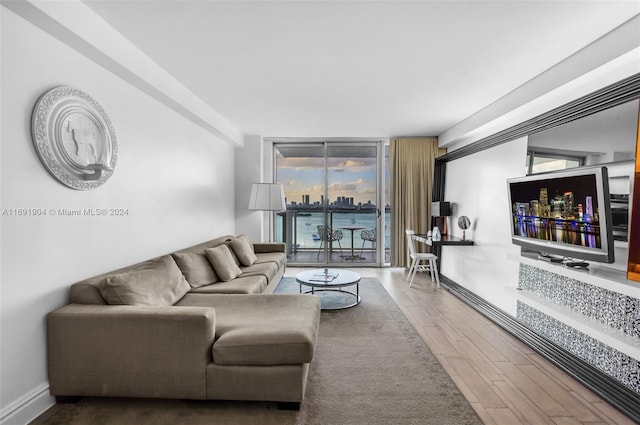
(562, 211)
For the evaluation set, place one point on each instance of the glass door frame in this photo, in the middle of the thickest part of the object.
(380, 200)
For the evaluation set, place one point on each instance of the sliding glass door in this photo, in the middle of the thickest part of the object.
(333, 196)
(300, 168)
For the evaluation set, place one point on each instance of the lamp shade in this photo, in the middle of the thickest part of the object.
(267, 197)
(440, 209)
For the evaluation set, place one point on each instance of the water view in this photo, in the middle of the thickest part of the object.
(339, 178)
(304, 227)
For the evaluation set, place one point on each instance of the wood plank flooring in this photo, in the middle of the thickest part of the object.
(506, 382)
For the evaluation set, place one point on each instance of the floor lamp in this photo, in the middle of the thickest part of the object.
(267, 197)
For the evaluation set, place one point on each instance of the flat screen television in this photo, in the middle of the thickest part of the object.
(565, 213)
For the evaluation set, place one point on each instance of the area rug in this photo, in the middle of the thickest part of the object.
(370, 367)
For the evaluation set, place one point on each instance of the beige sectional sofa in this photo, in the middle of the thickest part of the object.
(187, 325)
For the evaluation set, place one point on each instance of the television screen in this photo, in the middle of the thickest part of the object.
(564, 213)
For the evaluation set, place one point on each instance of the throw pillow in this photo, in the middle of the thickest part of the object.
(156, 282)
(196, 268)
(233, 254)
(222, 261)
(243, 249)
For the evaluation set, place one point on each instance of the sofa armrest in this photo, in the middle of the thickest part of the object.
(129, 351)
(263, 247)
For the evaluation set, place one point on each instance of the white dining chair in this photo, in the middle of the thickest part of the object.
(417, 259)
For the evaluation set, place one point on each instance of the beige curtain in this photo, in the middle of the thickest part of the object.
(411, 165)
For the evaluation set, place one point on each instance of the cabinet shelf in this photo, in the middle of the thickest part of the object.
(614, 338)
(597, 275)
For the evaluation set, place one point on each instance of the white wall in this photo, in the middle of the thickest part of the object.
(254, 164)
(249, 170)
(175, 179)
(476, 184)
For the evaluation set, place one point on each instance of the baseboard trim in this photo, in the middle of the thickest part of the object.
(620, 396)
(27, 408)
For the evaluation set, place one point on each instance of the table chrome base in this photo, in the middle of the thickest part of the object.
(341, 280)
(344, 291)
(352, 258)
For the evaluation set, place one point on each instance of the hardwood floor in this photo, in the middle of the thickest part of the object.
(506, 382)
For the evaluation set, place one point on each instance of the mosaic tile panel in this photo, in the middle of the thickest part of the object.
(619, 366)
(616, 310)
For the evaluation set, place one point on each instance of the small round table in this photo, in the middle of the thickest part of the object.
(352, 229)
(327, 280)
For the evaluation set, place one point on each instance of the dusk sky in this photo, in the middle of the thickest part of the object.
(350, 177)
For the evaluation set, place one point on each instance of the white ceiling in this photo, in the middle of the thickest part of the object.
(357, 68)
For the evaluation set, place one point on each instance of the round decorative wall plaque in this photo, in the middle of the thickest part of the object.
(74, 138)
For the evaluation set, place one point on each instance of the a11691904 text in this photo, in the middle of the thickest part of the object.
(64, 212)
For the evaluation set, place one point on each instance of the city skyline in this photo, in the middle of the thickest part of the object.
(566, 218)
(347, 177)
(339, 202)
(560, 207)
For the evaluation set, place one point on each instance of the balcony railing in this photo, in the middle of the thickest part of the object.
(298, 228)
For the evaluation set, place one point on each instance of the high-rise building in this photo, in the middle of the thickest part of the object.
(558, 207)
(534, 208)
(568, 205)
(522, 208)
(588, 214)
(580, 212)
(544, 198)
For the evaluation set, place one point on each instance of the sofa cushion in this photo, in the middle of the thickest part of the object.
(85, 293)
(240, 285)
(196, 268)
(156, 282)
(233, 254)
(276, 257)
(223, 263)
(265, 329)
(268, 270)
(264, 247)
(243, 250)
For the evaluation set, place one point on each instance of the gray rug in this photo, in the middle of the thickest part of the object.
(370, 367)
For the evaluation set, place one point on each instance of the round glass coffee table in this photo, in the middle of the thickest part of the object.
(331, 280)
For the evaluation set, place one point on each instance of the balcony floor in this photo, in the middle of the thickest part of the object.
(310, 256)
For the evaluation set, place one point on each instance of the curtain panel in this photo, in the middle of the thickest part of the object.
(412, 162)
